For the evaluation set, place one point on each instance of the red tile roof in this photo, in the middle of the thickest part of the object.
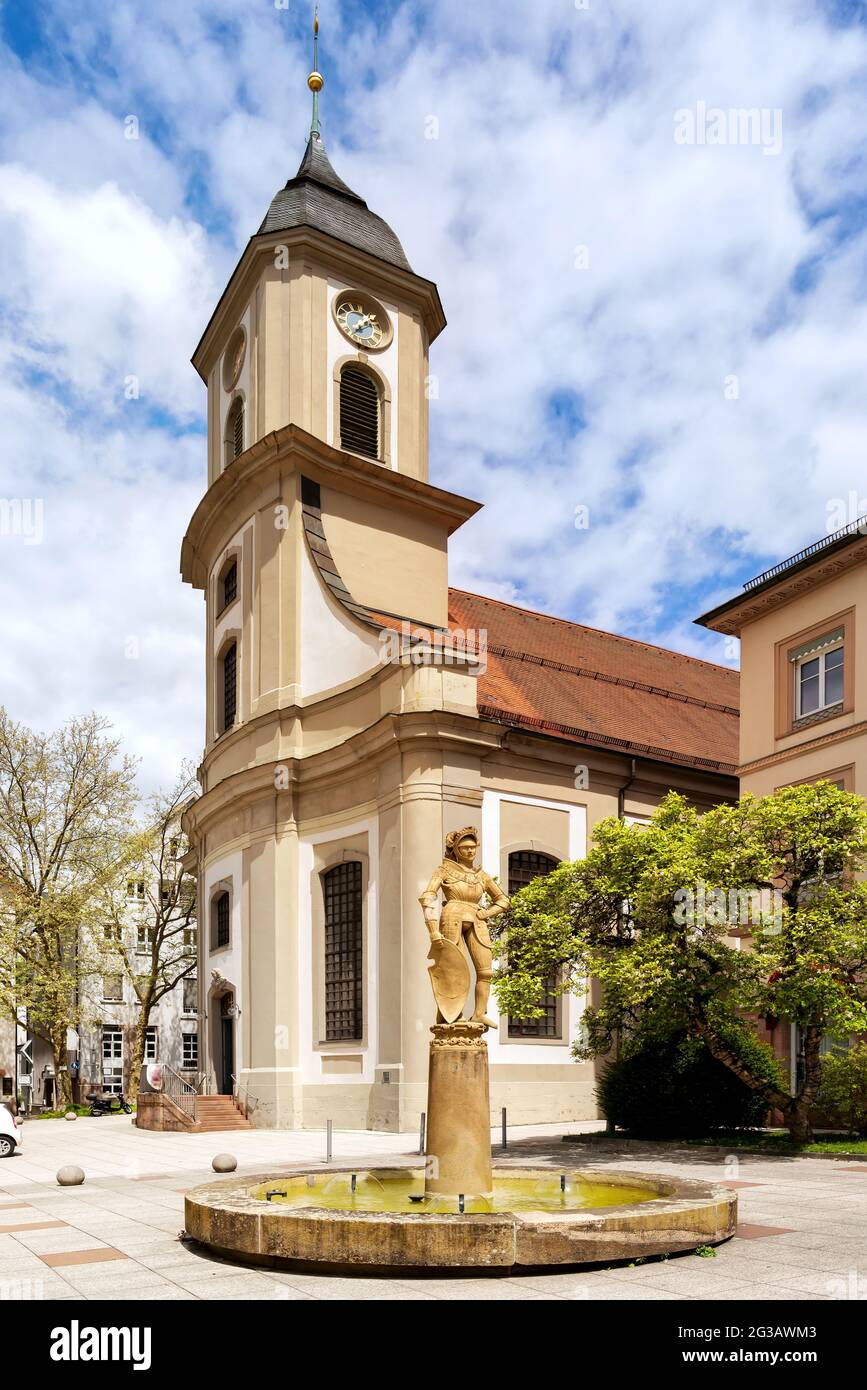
(593, 687)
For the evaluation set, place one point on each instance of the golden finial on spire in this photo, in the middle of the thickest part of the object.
(315, 81)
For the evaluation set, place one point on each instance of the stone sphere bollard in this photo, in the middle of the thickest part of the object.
(224, 1163)
(70, 1115)
(70, 1176)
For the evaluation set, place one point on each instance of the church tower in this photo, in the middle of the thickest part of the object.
(358, 710)
(317, 540)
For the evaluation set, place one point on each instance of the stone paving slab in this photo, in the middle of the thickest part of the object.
(132, 1202)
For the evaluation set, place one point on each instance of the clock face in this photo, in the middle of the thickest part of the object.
(363, 321)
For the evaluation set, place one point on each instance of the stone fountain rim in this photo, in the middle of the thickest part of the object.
(672, 1191)
(687, 1213)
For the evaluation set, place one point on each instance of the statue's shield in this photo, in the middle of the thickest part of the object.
(449, 977)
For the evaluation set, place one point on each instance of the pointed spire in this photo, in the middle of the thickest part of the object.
(315, 81)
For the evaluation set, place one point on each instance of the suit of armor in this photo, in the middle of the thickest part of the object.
(463, 920)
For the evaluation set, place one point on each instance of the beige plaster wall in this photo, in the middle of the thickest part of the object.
(391, 560)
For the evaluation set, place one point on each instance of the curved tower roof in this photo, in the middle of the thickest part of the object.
(318, 198)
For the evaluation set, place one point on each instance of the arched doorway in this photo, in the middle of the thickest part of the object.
(226, 1069)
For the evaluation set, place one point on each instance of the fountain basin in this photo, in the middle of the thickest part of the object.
(314, 1220)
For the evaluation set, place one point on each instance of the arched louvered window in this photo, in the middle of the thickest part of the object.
(230, 686)
(359, 413)
(344, 985)
(524, 866)
(235, 430)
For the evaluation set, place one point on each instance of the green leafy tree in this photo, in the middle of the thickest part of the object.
(649, 914)
(67, 801)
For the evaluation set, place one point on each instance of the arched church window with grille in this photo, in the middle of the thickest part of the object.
(344, 984)
(228, 585)
(360, 413)
(524, 866)
(230, 685)
(220, 905)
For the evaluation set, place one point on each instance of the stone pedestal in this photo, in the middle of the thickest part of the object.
(459, 1111)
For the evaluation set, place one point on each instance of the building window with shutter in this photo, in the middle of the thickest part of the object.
(191, 1000)
(234, 444)
(360, 413)
(344, 992)
(230, 686)
(814, 674)
(819, 675)
(524, 866)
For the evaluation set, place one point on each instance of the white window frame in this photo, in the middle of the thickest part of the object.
(193, 1062)
(112, 998)
(151, 1040)
(193, 984)
(112, 1058)
(145, 937)
(821, 657)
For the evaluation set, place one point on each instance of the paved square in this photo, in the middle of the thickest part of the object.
(802, 1232)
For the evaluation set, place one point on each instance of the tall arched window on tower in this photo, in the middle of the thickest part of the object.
(230, 685)
(360, 413)
(234, 442)
(344, 984)
(524, 866)
(227, 586)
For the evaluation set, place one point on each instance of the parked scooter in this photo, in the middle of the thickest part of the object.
(108, 1104)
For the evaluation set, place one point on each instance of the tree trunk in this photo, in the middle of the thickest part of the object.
(138, 1049)
(797, 1119)
(797, 1114)
(723, 1053)
(60, 1057)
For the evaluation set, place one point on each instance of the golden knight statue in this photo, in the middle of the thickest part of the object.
(462, 928)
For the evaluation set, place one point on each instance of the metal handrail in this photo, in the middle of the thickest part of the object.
(859, 526)
(237, 1088)
(181, 1091)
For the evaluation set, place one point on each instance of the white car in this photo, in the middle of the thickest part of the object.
(10, 1132)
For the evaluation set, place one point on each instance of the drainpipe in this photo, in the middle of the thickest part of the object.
(621, 815)
(621, 795)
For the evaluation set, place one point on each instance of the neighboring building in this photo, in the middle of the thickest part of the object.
(341, 746)
(100, 1052)
(803, 631)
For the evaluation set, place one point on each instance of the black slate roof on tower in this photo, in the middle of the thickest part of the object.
(318, 198)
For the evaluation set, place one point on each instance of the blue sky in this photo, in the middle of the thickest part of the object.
(672, 335)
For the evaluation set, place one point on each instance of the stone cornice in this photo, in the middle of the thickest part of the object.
(338, 258)
(370, 748)
(734, 615)
(796, 750)
(292, 450)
